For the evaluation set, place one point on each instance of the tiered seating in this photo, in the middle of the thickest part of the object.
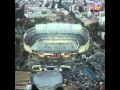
(61, 28)
(40, 46)
(33, 37)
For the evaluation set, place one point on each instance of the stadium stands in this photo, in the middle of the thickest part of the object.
(56, 37)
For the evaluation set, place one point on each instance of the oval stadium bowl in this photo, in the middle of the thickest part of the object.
(57, 38)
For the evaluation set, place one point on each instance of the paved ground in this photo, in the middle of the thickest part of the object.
(73, 87)
(21, 79)
(70, 86)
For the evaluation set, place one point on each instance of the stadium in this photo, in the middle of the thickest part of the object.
(56, 39)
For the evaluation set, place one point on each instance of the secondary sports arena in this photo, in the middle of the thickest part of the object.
(56, 39)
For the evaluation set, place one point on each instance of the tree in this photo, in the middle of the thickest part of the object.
(62, 18)
(34, 87)
(53, 4)
(29, 25)
(59, 4)
(73, 1)
(40, 20)
(85, 3)
(16, 5)
(77, 21)
(59, 88)
(19, 13)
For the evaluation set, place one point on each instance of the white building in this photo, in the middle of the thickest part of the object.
(56, 5)
(101, 20)
(102, 35)
(89, 1)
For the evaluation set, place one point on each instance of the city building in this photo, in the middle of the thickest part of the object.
(33, 11)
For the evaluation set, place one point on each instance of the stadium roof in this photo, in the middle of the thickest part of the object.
(48, 79)
(58, 28)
